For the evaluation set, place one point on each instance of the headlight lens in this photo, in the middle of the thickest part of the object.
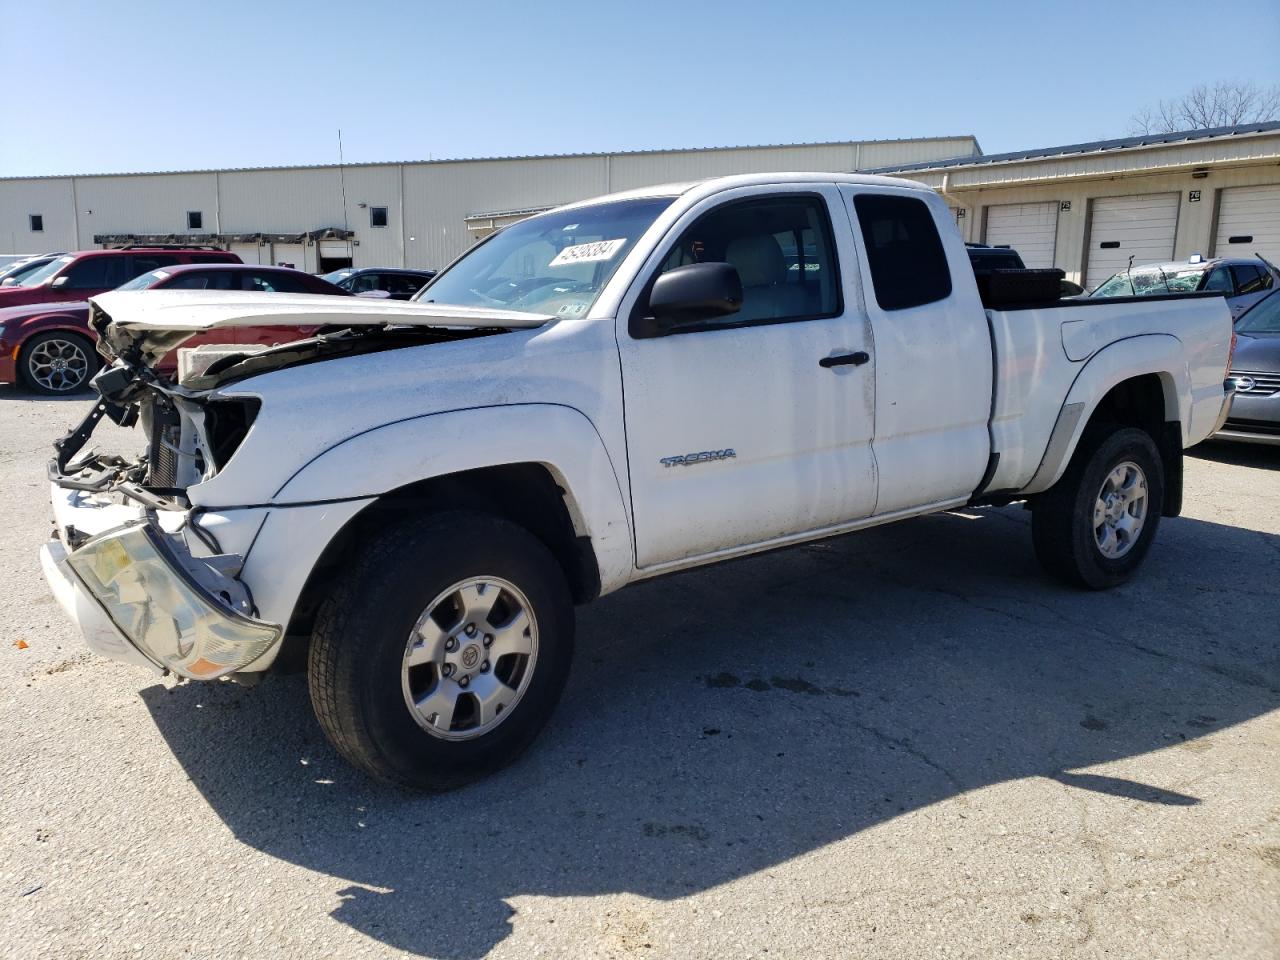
(157, 603)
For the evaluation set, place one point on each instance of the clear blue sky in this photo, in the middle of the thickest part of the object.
(115, 86)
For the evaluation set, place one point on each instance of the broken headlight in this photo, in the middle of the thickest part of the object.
(181, 615)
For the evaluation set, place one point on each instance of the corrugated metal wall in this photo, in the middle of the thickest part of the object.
(426, 203)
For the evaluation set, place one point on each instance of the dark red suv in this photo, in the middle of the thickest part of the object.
(78, 276)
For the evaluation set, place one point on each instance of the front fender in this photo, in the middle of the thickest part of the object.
(558, 437)
(1159, 354)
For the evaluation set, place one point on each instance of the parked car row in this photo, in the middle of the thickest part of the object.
(46, 342)
(49, 346)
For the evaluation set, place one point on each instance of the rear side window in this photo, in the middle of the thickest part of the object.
(97, 273)
(274, 283)
(145, 264)
(400, 283)
(1250, 279)
(205, 280)
(908, 263)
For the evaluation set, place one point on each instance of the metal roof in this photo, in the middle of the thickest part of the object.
(531, 156)
(1095, 146)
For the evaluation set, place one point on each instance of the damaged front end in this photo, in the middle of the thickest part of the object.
(138, 563)
(119, 563)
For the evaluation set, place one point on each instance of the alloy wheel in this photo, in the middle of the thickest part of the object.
(469, 658)
(1120, 511)
(58, 365)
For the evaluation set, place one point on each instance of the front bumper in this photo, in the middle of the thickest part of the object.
(8, 362)
(139, 596)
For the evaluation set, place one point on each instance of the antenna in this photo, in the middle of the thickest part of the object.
(1128, 273)
(342, 178)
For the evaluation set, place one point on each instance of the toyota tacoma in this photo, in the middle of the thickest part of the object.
(409, 504)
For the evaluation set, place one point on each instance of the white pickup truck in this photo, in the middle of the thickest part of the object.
(411, 502)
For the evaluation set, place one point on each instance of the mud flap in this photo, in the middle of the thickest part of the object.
(1170, 445)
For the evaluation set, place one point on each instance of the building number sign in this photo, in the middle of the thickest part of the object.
(1193, 196)
(1064, 206)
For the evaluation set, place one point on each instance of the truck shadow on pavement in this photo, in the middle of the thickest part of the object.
(1263, 455)
(721, 722)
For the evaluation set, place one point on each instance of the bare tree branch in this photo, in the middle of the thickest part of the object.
(1224, 104)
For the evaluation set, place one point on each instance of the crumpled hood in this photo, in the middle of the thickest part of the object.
(160, 320)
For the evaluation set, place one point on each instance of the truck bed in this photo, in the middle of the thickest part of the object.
(1044, 350)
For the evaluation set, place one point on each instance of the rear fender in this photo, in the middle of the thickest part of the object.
(1158, 354)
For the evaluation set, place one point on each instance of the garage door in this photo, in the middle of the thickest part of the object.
(288, 255)
(1141, 227)
(1249, 222)
(248, 252)
(1029, 228)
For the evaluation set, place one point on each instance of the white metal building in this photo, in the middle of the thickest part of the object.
(1087, 208)
(419, 214)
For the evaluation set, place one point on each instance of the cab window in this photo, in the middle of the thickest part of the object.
(783, 251)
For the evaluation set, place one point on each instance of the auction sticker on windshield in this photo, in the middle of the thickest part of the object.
(588, 252)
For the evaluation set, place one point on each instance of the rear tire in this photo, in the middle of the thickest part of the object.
(442, 650)
(1093, 528)
(57, 363)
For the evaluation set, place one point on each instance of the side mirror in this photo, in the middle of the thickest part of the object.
(8, 282)
(60, 283)
(694, 293)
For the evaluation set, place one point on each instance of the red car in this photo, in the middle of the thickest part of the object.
(79, 276)
(50, 348)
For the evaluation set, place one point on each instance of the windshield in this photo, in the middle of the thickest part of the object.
(337, 275)
(145, 281)
(45, 272)
(1264, 317)
(1150, 281)
(556, 263)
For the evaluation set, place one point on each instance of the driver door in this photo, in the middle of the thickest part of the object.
(736, 433)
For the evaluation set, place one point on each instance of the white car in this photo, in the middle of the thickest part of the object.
(412, 502)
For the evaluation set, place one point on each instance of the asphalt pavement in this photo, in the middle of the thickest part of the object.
(902, 743)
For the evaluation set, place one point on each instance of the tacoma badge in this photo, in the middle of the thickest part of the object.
(706, 456)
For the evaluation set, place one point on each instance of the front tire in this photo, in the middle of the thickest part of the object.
(57, 363)
(1093, 528)
(443, 649)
